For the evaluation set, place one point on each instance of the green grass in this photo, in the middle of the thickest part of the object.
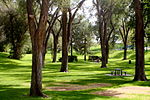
(15, 77)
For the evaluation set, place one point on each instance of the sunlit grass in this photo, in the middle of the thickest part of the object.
(15, 77)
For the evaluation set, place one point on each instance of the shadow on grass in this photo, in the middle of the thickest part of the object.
(8, 92)
(74, 95)
(8, 64)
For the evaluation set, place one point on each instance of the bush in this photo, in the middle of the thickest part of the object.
(70, 59)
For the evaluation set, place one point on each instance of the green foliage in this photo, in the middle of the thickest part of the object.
(146, 4)
(62, 3)
(14, 27)
(146, 10)
(82, 37)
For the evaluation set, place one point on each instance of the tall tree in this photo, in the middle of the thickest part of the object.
(37, 33)
(56, 33)
(66, 31)
(139, 36)
(125, 18)
(104, 14)
(53, 16)
(64, 65)
(124, 31)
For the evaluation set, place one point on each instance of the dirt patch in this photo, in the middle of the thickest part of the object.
(125, 92)
(107, 93)
(71, 87)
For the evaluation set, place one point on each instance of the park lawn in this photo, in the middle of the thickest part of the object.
(15, 78)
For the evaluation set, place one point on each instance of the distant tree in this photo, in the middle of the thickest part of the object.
(52, 18)
(126, 24)
(104, 16)
(3, 41)
(14, 26)
(146, 10)
(56, 33)
(139, 37)
(82, 37)
(124, 31)
(67, 30)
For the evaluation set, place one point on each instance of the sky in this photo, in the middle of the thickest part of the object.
(88, 11)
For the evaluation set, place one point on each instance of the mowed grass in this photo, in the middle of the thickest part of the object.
(15, 77)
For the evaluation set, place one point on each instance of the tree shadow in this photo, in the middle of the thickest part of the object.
(74, 95)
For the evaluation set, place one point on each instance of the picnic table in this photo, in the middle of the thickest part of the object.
(118, 72)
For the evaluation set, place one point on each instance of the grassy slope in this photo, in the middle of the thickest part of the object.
(15, 77)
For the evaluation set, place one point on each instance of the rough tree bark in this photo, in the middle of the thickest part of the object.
(37, 33)
(103, 40)
(139, 35)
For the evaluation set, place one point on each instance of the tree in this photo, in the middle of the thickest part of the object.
(64, 66)
(14, 27)
(3, 42)
(124, 31)
(82, 37)
(66, 31)
(104, 15)
(52, 18)
(125, 23)
(139, 36)
(56, 33)
(38, 36)
(146, 15)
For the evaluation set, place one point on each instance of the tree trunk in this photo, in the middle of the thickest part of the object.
(37, 64)
(139, 35)
(17, 52)
(38, 38)
(71, 48)
(45, 46)
(15, 46)
(107, 52)
(103, 50)
(125, 51)
(44, 54)
(85, 48)
(55, 49)
(84, 57)
(103, 32)
(66, 34)
(64, 66)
